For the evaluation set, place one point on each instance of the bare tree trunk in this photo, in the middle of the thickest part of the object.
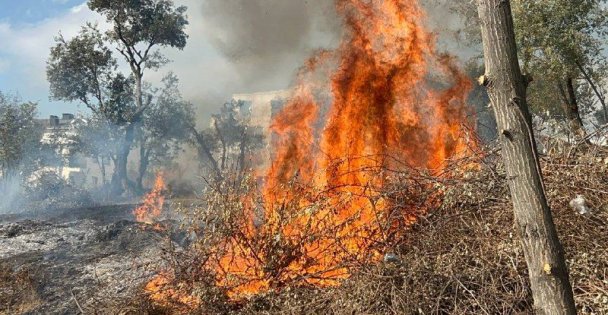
(204, 152)
(573, 112)
(242, 149)
(122, 159)
(596, 90)
(507, 90)
(570, 107)
(144, 162)
(223, 142)
(102, 169)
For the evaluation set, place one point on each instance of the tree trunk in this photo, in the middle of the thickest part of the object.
(243, 148)
(144, 161)
(570, 107)
(102, 169)
(220, 136)
(138, 90)
(573, 112)
(205, 153)
(507, 90)
(598, 93)
(121, 171)
(122, 177)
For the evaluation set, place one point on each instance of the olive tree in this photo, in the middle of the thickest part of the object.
(84, 68)
(165, 128)
(560, 44)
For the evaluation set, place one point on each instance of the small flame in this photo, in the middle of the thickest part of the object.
(159, 290)
(152, 204)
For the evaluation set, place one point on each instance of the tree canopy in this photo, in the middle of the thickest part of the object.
(19, 134)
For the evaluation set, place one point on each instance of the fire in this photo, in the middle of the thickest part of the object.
(158, 291)
(389, 111)
(152, 204)
(395, 104)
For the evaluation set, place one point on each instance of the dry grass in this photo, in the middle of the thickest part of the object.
(17, 291)
(461, 258)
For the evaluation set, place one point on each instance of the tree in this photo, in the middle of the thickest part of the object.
(560, 42)
(139, 28)
(19, 145)
(19, 135)
(165, 128)
(226, 145)
(84, 68)
(507, 86)
(97, 138)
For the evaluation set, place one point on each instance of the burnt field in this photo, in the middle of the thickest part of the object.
(74, 259)
(304, 157)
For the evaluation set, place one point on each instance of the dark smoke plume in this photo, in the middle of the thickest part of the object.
(268, 39)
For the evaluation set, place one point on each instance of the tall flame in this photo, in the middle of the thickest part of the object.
(391, 107)
(394, 104)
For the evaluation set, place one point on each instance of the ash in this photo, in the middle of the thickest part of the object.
(74, 259)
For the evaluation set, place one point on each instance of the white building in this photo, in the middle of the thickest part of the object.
(262, 106)
(74, 167)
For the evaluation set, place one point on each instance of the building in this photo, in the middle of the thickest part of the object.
(262, 106)
(60, 135)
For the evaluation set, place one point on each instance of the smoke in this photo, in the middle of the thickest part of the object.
(449, 26)
(11, 189)
(268, 40)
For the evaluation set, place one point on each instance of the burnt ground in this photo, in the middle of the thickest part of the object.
(73, 259)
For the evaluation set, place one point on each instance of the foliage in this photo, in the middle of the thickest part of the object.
(227, 144)
(557, 40)
(460, 258)
(146, 23)
(165, 126)
(84, 69)
(19, 134)
(97, 138)
(48, 189)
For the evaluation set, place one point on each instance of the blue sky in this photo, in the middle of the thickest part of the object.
(207, 77)
(19, 12)
(27, 29)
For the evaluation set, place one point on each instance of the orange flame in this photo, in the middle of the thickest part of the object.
(158, 291)
(395, 104)
(152, 204)
(391, 108)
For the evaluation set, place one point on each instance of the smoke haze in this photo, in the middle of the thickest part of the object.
(267, 40)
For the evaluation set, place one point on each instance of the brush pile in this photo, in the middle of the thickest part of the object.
(461, 257)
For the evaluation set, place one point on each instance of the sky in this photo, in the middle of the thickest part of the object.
(234, 46)
(208, 77)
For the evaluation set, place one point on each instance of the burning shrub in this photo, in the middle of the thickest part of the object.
(330, 200)
(344, 190)
(244, 246)
(460, 257)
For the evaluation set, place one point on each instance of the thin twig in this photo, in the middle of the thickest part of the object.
(76, 300)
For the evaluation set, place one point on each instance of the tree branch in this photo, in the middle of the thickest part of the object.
(204, 150)
(598, 93)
